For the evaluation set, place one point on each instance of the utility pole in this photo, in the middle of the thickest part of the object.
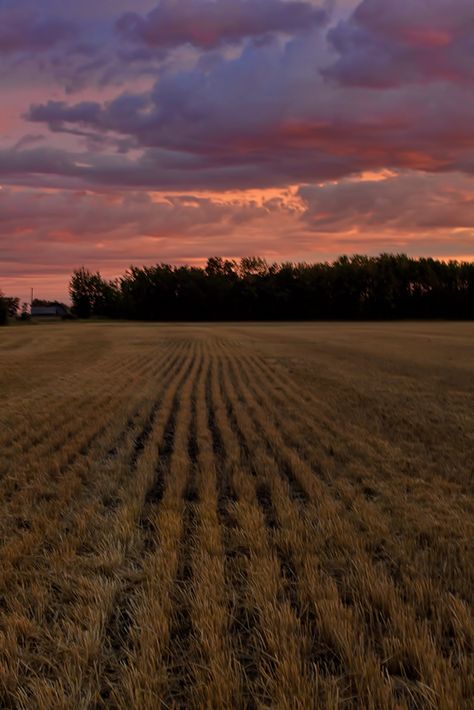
(31, 304)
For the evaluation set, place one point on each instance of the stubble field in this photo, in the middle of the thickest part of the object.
(241, 516)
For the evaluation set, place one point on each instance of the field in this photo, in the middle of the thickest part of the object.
(237, 516)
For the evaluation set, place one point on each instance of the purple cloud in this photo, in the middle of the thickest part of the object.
(29, 32)
(28, 140)
(57, 113)
(207, 24)
(385, 44)
(267, 117)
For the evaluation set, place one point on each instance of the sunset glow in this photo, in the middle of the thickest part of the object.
(148, 131)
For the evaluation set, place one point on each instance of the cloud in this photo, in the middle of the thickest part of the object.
(386, 44)
(49, 215)
(29, 139)
(29, 32)
(37, 47)
(379, 207)
(395, 203)
(210, 23)
(268, 117)
(56, 114)
(69, 45)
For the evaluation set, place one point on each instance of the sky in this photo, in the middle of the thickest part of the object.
(146, 131)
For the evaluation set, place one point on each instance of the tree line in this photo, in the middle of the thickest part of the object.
(358, 287)
(351, 288)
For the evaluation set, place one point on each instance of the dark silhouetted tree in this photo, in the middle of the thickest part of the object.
(91, 295)
(352, 287)
(3, 310)
(8, 308)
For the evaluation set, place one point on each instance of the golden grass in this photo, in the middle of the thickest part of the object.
(241, 516)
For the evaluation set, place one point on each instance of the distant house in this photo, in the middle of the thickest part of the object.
(55, 311)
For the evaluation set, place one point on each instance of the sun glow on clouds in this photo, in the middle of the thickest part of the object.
(428, 37)
(374, 175)
(286, 197)
(132, 133)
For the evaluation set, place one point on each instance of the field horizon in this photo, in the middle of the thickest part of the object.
(237, 515)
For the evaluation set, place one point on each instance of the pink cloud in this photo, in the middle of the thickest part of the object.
(428, 37)
(51, 232)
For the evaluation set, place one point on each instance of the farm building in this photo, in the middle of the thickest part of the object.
(53, 312)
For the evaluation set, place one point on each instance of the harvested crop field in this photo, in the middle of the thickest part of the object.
(237, 516)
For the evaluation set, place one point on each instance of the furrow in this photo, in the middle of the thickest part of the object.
(95, 576)
(179, 655)
(217, 677)
(412, 575)
(285, 676)
(118, 637)
(72, 486)
(32, 429)
(145, 679)
(74, 436)
(428, 668)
